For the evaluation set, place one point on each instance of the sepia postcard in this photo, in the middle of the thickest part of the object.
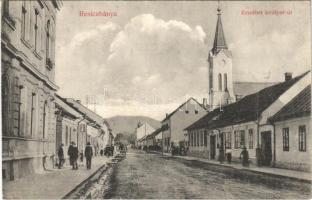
(156, 99)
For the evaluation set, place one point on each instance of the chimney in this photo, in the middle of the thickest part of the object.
(205, 102)
(288, 76)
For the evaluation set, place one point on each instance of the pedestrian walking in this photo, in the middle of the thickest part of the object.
(70, 153)
(75, 156)
(229, 156)
(245, 157)
(221, 154)
(88, 155)
(60, 154)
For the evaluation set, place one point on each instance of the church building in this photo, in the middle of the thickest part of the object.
(233, 123)
(220, 81)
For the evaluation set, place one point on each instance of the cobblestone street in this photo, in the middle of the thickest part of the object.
(143, 175)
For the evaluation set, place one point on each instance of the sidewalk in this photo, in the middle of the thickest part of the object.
(299, 175)
(52, 184)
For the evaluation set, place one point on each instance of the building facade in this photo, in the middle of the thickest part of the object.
(175, 123)
(142, 131)
(293, 133)
(220, 81)
(68, 121)
(28, 86)
(246, 123)
(98, 130)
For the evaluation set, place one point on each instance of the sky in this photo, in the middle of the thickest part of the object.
(152, 56)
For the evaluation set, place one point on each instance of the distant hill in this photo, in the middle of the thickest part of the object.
(127, 124)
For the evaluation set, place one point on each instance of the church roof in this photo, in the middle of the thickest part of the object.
(299, 106)
(246, 109)
(219, 39)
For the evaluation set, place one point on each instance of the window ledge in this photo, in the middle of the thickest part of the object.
(24, 138)
(26, 43)
(8, 19)
(37, 54)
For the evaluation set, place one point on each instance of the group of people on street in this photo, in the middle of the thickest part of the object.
(73, 155)
(244, 156)
(108, 151)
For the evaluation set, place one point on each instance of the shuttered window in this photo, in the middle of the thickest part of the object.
(285, 139)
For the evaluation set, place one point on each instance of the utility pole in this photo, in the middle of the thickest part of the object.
(162, 142)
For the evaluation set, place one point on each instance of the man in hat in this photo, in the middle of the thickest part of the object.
(70, 153)
(88, 155)
(75, 156)
(245, 159)
(60, 154)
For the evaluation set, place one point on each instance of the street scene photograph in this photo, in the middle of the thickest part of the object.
(156, 99)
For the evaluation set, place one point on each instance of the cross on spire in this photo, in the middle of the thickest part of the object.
(219, 40)
(219, 9)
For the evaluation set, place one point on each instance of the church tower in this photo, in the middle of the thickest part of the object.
(220, 82)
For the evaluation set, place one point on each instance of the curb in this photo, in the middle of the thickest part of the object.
(83, 182)
(245, 169)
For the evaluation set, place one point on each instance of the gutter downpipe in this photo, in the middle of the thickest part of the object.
(274, 146)
(162, 143)
(258, 149)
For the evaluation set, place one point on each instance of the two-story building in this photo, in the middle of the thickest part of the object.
(142, 131)
(173, 124)
(28, 86)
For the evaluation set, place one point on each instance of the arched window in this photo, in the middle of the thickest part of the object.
(24, 19)
(5, 104)
(220, 82)
(48, 40)
(225, 82)
(36, 30)
(44, 119)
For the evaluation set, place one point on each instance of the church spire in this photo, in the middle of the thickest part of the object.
(219, 40)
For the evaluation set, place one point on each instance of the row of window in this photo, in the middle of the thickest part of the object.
(198, 138)
(201, 139)
(68, 135)
(239, 139)
(220, 82)
(27, 118)
(167, 141)
(36, 32)
(301, 138)
(221, 87)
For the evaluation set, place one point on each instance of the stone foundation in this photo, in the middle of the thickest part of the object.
(15, 169)
(293, 166)
(199, 154)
